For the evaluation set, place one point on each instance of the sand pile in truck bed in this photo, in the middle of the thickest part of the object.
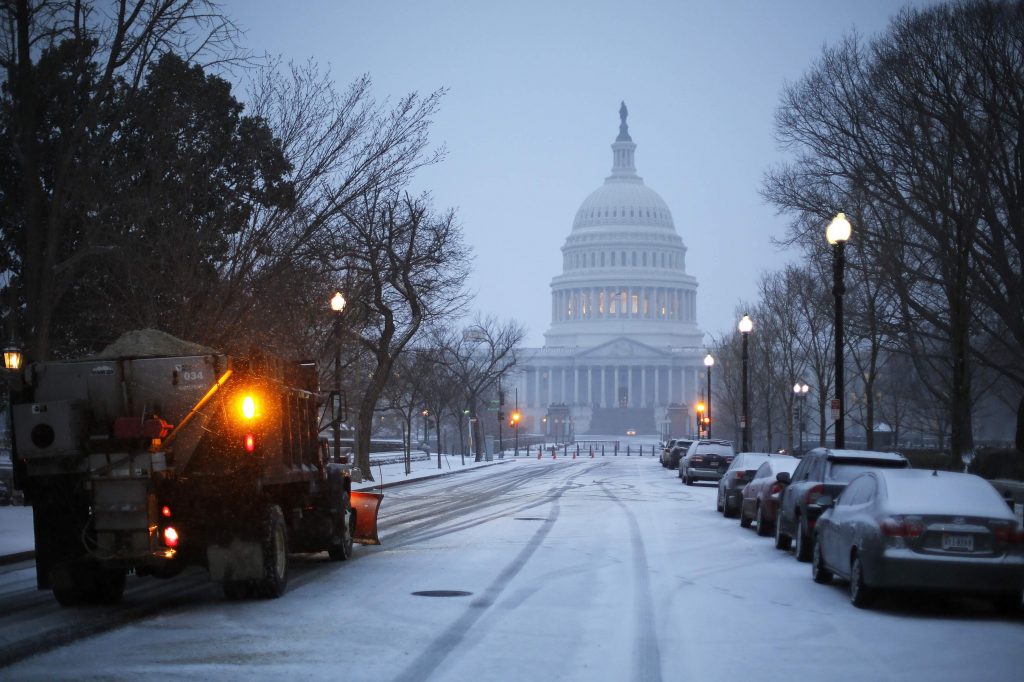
(151, 343)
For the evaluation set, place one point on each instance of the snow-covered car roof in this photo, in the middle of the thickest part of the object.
(920, 491)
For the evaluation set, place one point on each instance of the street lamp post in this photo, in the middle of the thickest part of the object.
(700, 419)
(837, 233)
(337, 305)
(709, 362)
(745, 327)
(800, 391)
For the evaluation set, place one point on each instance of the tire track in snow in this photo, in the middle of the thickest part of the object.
(435, 653)
(646, 653)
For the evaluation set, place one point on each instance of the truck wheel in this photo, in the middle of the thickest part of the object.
(275, 554)
(341, 544)
(109, 585)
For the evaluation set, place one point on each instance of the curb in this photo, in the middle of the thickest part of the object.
(392, 484)
(14, 558)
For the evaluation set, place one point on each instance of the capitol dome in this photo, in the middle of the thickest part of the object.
(623, 265)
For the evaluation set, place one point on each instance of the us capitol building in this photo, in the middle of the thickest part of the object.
(624, 351)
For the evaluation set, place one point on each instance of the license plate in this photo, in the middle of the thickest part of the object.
(963, 543)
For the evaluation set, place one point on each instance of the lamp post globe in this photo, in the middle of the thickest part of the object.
(837, 233)
(745, 326)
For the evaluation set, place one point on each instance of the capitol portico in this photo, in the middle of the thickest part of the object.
(624, 350)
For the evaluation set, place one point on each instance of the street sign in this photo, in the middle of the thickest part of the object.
(835, 409)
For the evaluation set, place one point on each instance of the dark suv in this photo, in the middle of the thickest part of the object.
(706, 460)
(821, 472)
(676, 453)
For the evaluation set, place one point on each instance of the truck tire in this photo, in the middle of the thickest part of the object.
(275, 554)
(341, 543)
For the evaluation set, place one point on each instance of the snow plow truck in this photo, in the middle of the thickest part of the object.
(160, 454)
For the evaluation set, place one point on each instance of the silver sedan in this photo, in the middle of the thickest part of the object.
(919, 529)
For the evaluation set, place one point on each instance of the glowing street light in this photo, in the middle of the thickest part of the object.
(837, 233)
(337, 305)
(709, 362)
(746, 325)
(800, 391)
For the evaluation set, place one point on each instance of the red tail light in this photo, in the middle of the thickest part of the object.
(250, 442)
(740, 475)
(695, 459)
(814, 493)
(170, 536)
(902, 527)
(775, 489)
(165, 511)
(1009, 535)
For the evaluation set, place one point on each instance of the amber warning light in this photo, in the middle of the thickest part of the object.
(248, 407)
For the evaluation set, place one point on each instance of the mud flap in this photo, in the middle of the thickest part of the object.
(365, 506)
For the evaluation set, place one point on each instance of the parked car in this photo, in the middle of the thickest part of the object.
(761, 495)
(5, 494)
(663, 458)
(737, 476)
(919, 529)
(705, 460)
(821, 472)
(677, 452)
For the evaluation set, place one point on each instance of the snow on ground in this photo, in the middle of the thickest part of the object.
(603, 569)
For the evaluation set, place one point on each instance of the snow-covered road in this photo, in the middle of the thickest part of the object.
(588, 569)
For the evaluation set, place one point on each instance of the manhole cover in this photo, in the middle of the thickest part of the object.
(441, 593)
(529, 518)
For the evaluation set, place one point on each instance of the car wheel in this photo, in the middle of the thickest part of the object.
(804, 543)
(782, 541)
(763, 529)
(819, 572)
(861, 595)
(745, 520)
(729, 510)
(687, 479)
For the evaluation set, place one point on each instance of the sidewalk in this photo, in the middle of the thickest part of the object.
(17, 542)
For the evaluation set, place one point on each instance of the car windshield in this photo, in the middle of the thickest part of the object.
(847, 471)
(713, 449)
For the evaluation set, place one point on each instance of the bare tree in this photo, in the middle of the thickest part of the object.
(477, 358)
(405, 266)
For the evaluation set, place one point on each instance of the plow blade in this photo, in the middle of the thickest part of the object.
(366, 506)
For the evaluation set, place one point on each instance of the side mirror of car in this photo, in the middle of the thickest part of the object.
(782, 477)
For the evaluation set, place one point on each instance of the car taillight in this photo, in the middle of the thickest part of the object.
(696, 458)
(1009, 535)
(740, 475)
(775, 489)
(902, 527)
(814, 493)
(165, 511)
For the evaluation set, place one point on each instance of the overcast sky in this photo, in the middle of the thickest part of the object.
(532, 109)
